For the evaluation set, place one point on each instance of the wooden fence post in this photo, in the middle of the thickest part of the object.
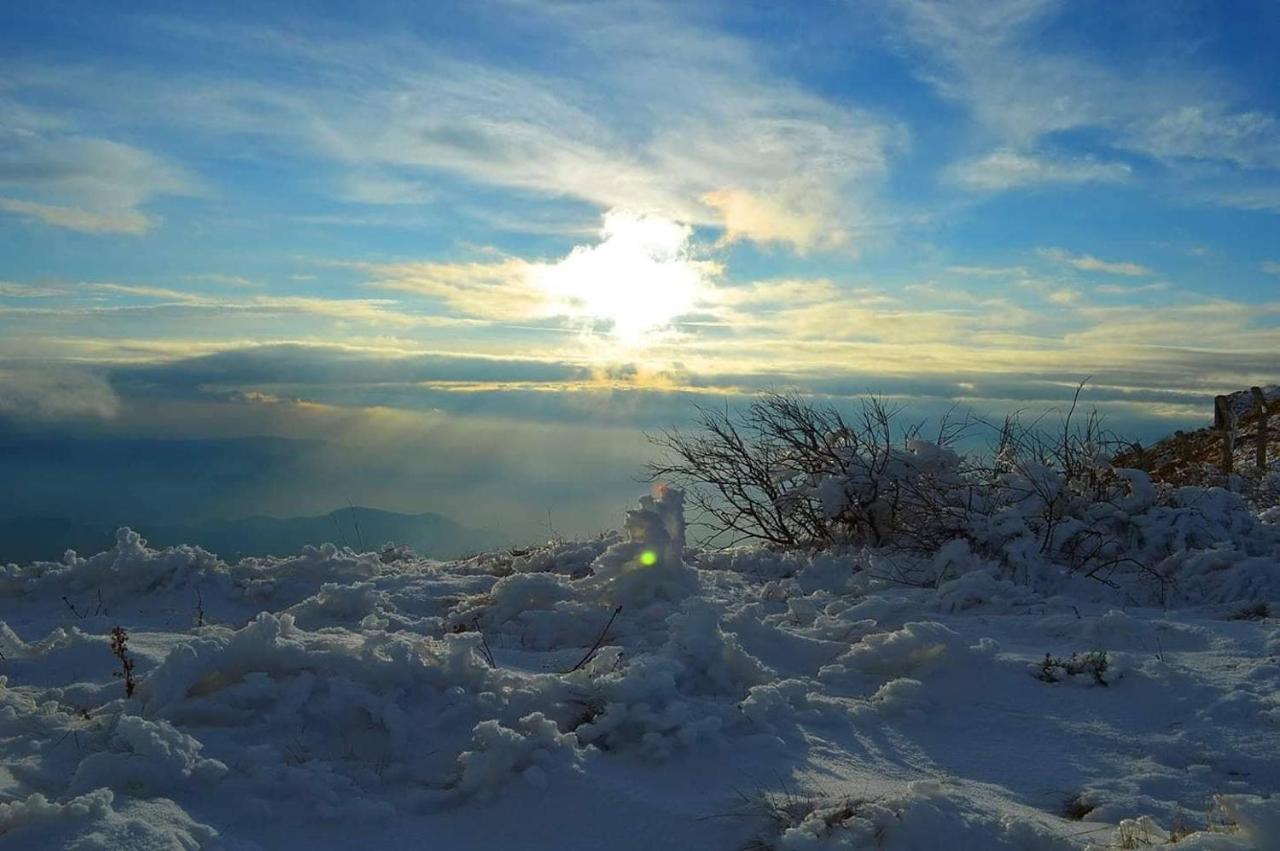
(1260, 403)
(1225, 421)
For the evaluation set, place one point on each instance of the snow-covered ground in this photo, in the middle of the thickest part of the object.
(742, 699)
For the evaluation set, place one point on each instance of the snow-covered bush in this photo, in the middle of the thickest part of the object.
(793, 474)
(1044, 504)
(649, 564)
(1091, 666)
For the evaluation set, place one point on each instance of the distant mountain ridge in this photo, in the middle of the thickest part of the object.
(25, 539)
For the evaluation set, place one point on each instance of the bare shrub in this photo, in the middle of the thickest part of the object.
(793, 474)
(120, 649)
(1094, 663)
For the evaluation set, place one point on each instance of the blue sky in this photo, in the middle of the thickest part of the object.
(250, 219)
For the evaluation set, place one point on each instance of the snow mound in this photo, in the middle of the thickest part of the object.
(914, 647)
(92, 822)
(148, 758)
(916, 819)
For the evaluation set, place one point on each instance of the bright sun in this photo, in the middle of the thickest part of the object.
(639, 277)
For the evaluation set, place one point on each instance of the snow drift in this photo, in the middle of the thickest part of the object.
(630, 690)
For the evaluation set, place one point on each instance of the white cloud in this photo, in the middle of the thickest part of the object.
(1271, 267)
(81, 183)
(374, 188)
(747, 215)
(654, 114)
(977, 53)
(1252, 195)
(128, 221)
(1196, 131)
(224, 280)
(1009, 169)
(993, 56)
(777, 293)
(12, 289)
(1131, 289)
(1089, 263)
(765, 162)
(122, 301)
(1066, 296)
(989, 271)
(1216, 325)
(492, 289)
(640, 275)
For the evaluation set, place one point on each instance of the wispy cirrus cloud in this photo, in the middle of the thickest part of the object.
(223, 279)
(1132, 289)
(120, 220)
(52, 174)
(655, 114)
(1089, 263)
(502, 289)
(1025, 91)
(1009, 169)
(13, 289)
(1249, 139)
(105, 300)
(989, 271)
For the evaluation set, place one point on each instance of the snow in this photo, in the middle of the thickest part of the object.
(635, 692)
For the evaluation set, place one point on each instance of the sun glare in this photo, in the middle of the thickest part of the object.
(639, 277)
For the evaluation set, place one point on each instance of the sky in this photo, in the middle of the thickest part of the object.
(476, 250)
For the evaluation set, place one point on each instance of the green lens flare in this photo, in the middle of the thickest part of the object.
(648, 558)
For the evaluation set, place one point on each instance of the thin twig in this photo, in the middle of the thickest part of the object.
(484, 643)
(599, 640)
(120, 648)
(72, 607)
